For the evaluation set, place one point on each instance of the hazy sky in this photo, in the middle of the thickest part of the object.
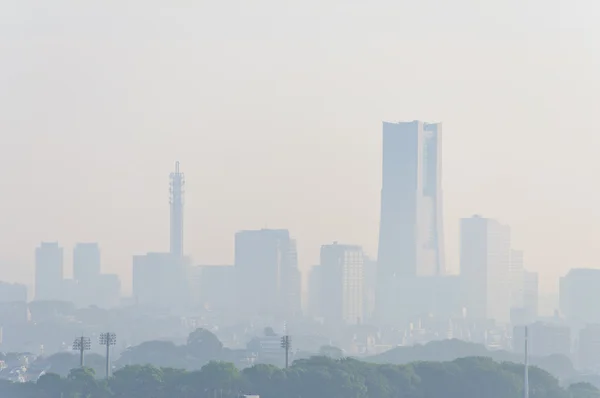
(274, 109)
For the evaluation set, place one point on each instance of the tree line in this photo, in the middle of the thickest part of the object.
(316, 377)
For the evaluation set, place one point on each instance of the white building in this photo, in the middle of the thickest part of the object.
(342, 283)
(485, 261)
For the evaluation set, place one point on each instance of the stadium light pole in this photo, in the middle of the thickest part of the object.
(108, 339)
(82, 344)
(286, 344)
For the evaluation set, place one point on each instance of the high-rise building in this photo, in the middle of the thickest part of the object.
(12, 292)
(156, 281)
(177, 183)
(268, 278)
(315, 291)
(342, 283)
(525, 310)
(516, 273)
(531, 294)
(369, 288)
(150, 278)
(214, 287)
(484, 265)
(411, 232)
(48, 272)
(108, 291)
(86, 262)
(579, 295)
(411, 240)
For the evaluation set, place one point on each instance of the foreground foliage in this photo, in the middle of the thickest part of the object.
(318, 377)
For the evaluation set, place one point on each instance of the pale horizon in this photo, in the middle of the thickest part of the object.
(275, 114)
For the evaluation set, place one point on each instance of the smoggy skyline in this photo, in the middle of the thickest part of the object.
(275, 112)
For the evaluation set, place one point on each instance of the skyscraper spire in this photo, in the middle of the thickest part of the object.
(526, 380)
(177, 183)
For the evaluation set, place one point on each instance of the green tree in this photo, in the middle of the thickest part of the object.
(82, 383)
(156, 353)
(204, 346)
(138, 381)
(51, 384)
(583, 390)
(331, 352)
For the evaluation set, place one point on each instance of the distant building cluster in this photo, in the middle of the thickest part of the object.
(403, 296)
(407, 282)
(89, 285)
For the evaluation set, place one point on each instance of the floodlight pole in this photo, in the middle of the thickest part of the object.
(81, 348)
(107, 360)
(108, 339)
(81, 344)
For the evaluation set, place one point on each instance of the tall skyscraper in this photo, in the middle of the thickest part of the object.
(86, 262)
(268, 278)
(411, 242)
(484, 266)
(49, 272)
(411, 239)
(342, 283)
(177, 183)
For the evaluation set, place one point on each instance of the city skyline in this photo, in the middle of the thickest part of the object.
(298, 129)
(380, 199)
(176, 228)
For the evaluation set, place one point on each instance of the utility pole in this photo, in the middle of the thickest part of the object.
(286, 344)
(108, 339)
(526, 378)
(82, 344)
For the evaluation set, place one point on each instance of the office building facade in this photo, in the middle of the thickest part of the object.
(531, 295)
(157, 283)
(267, 274)
(12, 292)
(176, 197)
(411, 238)
(86, 262)
(544, 339)
(588, 349)
(214, 287)
(342, 283)
(516, 278)
(579, 295)
(411, 230)
(48, 272)
(485, 249)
